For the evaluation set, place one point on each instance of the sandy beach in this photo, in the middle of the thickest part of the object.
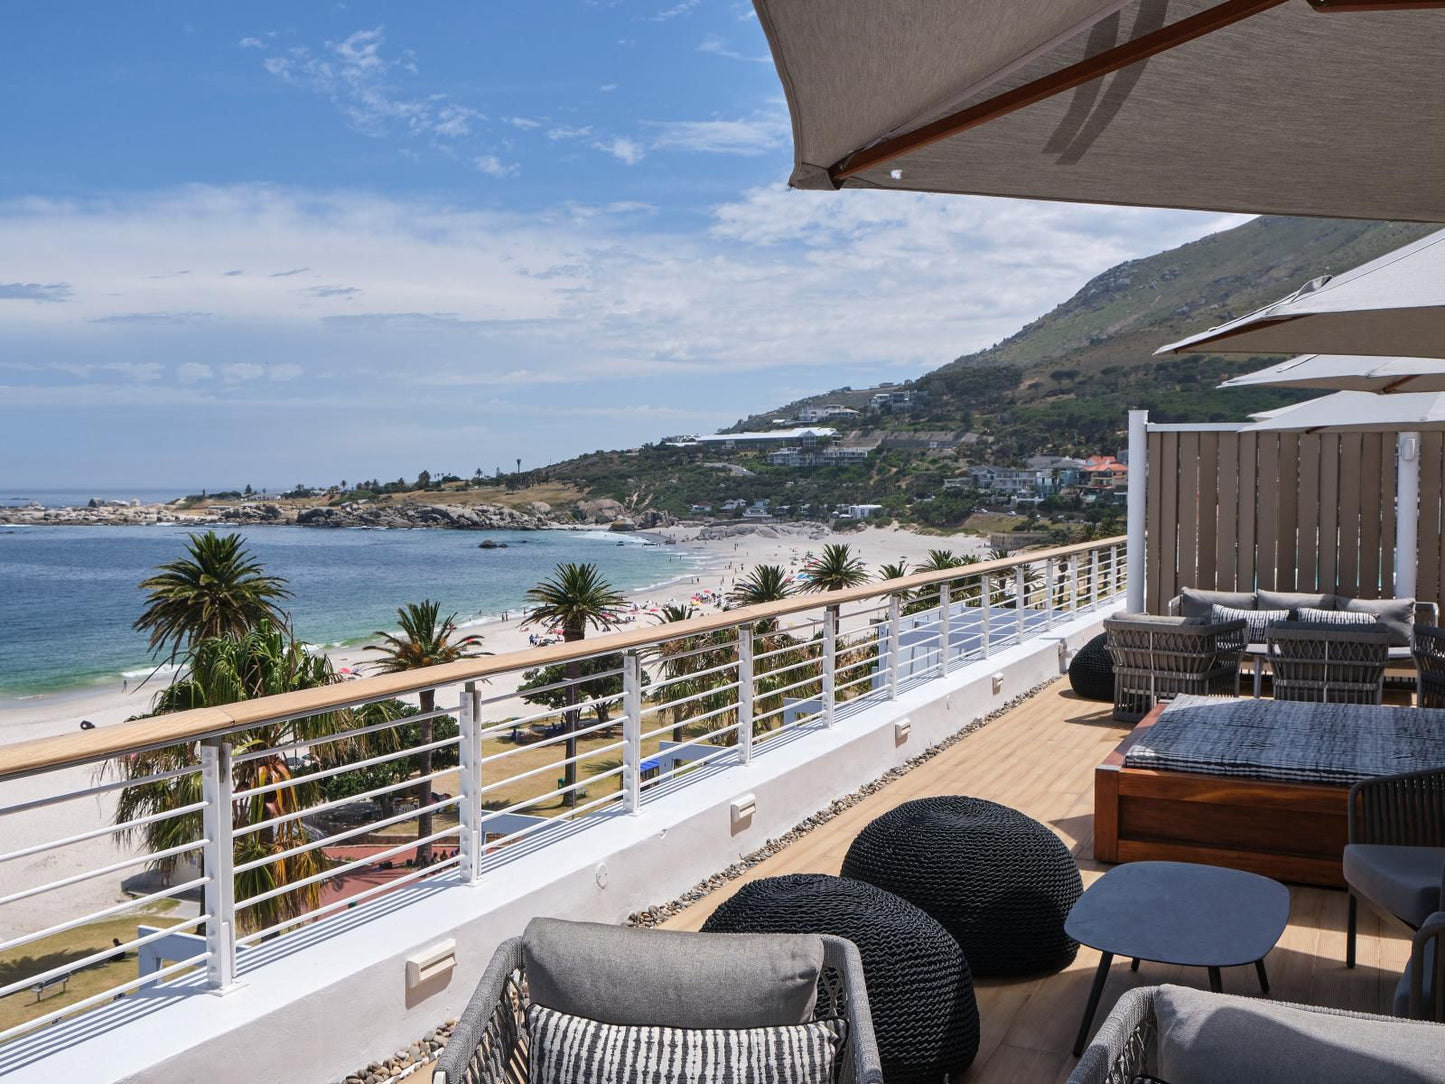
(704, 565)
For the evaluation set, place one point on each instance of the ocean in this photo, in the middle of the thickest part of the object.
(68, 595)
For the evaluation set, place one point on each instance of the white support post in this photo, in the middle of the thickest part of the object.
(1049, 593)
(1113, 571)
(986, 594)
(469, 775)
(830, 664)
(1019, 600)
(632, 730)
(1137, 498)
(1074, 582)
(895, 640)
(1094, 592)
(1407, 515)
(945, 605)
(745, 694)
(217, 858)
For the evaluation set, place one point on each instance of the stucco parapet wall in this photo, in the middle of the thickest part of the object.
(312, 1006)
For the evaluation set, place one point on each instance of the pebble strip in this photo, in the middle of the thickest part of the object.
(421, 1053)
(657, 915)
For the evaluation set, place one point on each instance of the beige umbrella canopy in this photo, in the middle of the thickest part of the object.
(1356, 412)
(1349, 372)
(1284, 106)
(1390, 307)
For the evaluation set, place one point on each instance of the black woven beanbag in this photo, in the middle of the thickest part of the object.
(1091, 671)
(920, 990)
(999, 881)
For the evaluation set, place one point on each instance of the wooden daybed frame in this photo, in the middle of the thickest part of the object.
(1288, 831)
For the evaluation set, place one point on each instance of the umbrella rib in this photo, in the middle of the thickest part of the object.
(1094, 67)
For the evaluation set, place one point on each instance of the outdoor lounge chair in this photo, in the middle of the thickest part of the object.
(1420, 994)
(1184, 1036)
(635, 978)
(1429, 655)
(1157, 658)
(1327, 664)
(1395, 857)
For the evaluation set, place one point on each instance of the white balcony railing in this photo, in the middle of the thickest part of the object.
(269, 815)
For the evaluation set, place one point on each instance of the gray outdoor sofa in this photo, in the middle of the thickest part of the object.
(1399, 616)
(1187, 1036)
(699, 984)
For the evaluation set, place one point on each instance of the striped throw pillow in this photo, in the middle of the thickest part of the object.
(1334, 617)
(574, 1050)
(1257, 620)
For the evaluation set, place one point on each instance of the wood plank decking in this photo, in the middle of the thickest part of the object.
(1040, 758)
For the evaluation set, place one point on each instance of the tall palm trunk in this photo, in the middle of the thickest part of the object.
(572, 632)
(428, 699)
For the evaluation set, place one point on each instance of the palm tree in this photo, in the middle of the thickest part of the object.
(575, 597)
(217, 589)
(835, 570)
(765, 583)
(425, 640)
(893, 571)
(221, 670)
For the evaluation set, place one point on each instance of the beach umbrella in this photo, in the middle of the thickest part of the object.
(1356, 412)
(1392, 307)
(1286, 106)
(1348, 372)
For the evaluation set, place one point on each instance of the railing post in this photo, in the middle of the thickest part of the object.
(1049, 593)
(1094, 579)
(632, 730)
(1113, 571)
(945, 604)
(895, 639)
(986, 595)
(745, 693)
(469, 774)
(1019, 600)
(217, 858)
(830, 663)
(1074, 582)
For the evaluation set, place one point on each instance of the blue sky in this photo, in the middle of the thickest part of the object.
(274, 242)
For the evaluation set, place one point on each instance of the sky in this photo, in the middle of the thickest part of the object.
(280, 243)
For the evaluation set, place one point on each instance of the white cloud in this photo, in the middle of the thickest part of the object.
(193, 372)
(565, 131)
(251, 43)
(493, 166)
(607, 88)
(524, 122)
(622, 148)
(242, 371)
(718, 47)
(756, 135)
(682, 7)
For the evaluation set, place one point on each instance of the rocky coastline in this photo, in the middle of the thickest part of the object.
(399, 514)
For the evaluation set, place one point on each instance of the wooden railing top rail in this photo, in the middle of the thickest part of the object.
(23, 758)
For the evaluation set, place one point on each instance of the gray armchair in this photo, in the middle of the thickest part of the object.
(1420, 994)
(1395, 857)
(1429, 654)
(1157, 658)
(659, 978)
(1327, 664)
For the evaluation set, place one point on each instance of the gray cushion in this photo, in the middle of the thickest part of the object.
(567, 1049)
(1168, 620)
(1396, 614)
(1294, 600)
(1427, 985)
(1403, 880)
(1196, 603)
(1257, 620)
(668, 978)
(1221, 1039)
(1341, 618)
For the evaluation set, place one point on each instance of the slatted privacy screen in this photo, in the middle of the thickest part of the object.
(1285, 511)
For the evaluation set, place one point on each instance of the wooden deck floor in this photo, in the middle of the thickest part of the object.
(1040, 758)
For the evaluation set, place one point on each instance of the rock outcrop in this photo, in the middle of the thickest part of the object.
(463, 517)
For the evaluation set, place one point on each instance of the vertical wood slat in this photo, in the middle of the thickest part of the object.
(1389, 486)
(1226, 524)
(1208, 509)
(1428, 534)
(1348, 568)
(1266, 513)
(1287, 523)
(1188, 543)
(1247, 578)
(1307, 564)
(1154, 517)
(1329, 529)
(1370, 505)
(1169, 525)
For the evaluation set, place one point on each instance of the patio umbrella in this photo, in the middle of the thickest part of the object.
(1283, 106)
(1356, 412)
(1393, 306)
(1348, 372)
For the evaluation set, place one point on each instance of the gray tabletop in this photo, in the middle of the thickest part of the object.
(1181, 913)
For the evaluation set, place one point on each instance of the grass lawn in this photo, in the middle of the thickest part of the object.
(76, 944)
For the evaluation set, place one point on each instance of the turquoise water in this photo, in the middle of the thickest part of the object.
(68, 595)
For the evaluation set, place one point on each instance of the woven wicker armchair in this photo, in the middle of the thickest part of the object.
(1157, 658)
(489, 1044)
(1327, 664)
(1396, 849)
(1429, 652)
